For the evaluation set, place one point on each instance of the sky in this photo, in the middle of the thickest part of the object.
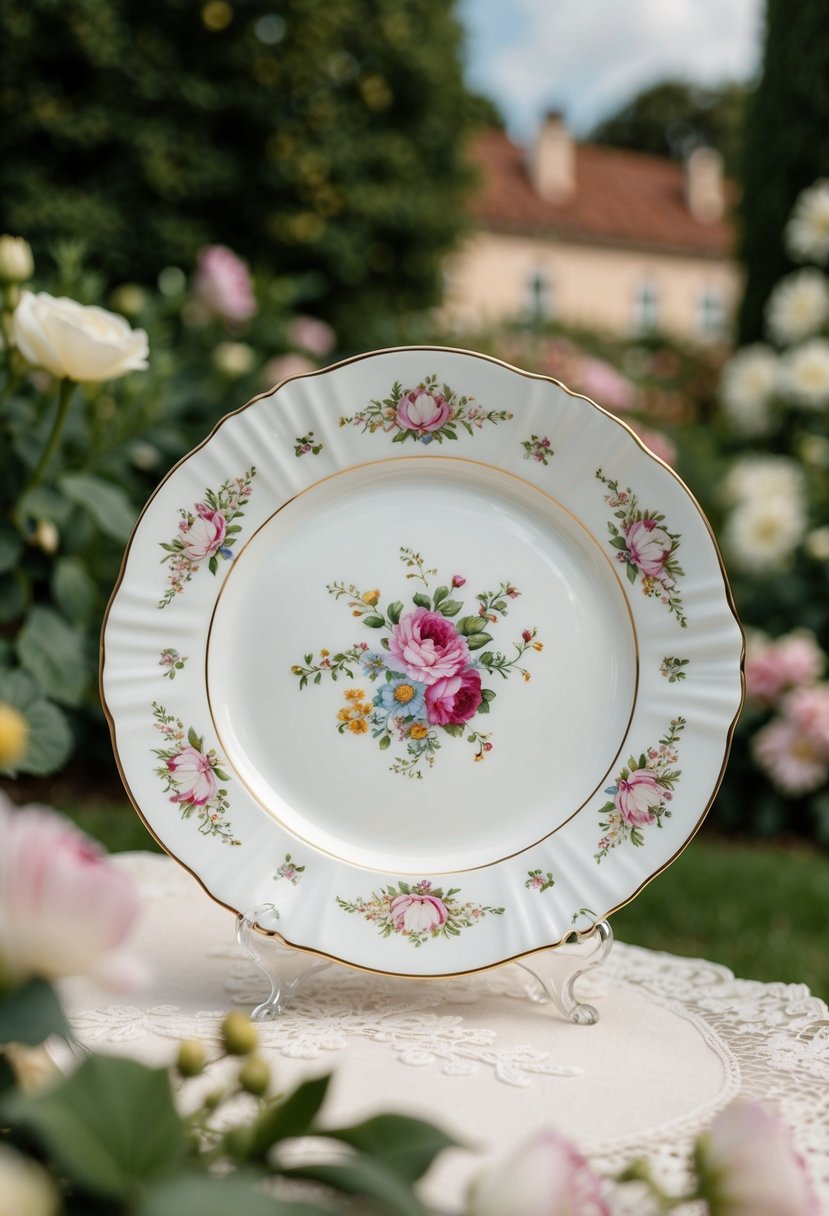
(586, 57)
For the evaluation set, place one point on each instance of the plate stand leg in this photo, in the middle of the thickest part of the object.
(284, 969)
(556, 971)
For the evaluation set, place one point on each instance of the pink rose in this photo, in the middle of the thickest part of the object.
(649, 546)
(808, 708)
(545, 1177)
(194, 774)
(204, 536)
(223, 284)
(284, 367)
(749, 1166)
(454, 698)
(428, 647)
(794, 763)
(312, 335)
(774, 666)
(65, 908)
(422, 411)
(660, 444)
(603, 384)
(636, 797)
(418, 913)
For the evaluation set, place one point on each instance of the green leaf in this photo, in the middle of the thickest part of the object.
(213, 565)
(487, 694)
(468, 625)
(194, 740)
(73, 589)
(373, 621)
(450, 608)
(110, 1126)
(454, 728)
(15, 594)
(422, 600)
(49, 742)
(385, 742)
(440, 595)
(483, 708)
(11, 547)
(291, 1117)
(393, 612)
(631, 573)
(477, 640)
(407, 1146)
(45, 502)
(367, 1178)
(31, 1013)
(53, 652)
(106, 503)
(201, 1195)
(619, 542)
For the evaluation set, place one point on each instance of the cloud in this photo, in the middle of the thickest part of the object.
(588, 56)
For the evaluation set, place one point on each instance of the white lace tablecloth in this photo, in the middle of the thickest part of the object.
(677, 1040)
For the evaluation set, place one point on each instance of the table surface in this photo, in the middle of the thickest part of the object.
(677, 1040)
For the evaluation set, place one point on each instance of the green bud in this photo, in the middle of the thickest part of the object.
(191, 1058)
(255, 1075)
(16, 261)
(239, 1035)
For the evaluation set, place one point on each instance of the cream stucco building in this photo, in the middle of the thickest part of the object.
(594, 236)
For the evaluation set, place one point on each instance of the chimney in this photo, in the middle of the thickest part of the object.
(552, 160)
(704, 194)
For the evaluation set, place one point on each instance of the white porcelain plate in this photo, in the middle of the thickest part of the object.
(426, 655)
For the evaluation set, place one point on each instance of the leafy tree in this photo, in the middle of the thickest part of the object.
(670, 117)
(786, 144)
(314, 136)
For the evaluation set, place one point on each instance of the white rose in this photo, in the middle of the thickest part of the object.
(798, 307)
(762, 533)
(78, 341)
(748, 386)
(806, 373)
(16, 261)
(756, 478)
(807, 232)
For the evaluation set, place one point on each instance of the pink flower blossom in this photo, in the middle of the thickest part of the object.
(422, 411)
(284, 367)
(204, 536)
(772, 667)
(808, 709)
(223, 284)
(637, 796)
(428, 647)
(454, 699)
(789, 757)
(660, 444)
(750, 1167)
(312, 335)
(65, 908)
(604, 385)
(649, 546)
(545, 1177)
(194, 775)
(458, 580)
(418, 913)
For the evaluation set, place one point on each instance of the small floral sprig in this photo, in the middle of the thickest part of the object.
(538, 447)
(426, 668)
(192, 775)
(645, 547)
(290, 871)
(539, 881)
(206, 533)
(418, 911)
(306, 443)
(429, 413)
(672, 669)
(172, 662)
(642, 793)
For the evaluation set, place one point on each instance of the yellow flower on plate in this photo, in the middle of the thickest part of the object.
(371, 597)
(358, 726)
(354, 694)
(419, 730)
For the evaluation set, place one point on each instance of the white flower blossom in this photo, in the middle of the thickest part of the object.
(798, 307)
(807, 232)
(79, 341)
(749, 382)
(762, 533)
(805, 374)
(757, 478)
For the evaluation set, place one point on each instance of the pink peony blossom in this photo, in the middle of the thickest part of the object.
(808, 709)
(428, 647)
(422, 411)
(204, 536)
(194, 774)
(604, 385)
(545, 1177)
(65, 908)
(749, 1166)
(284, 367)
(418, 913)
(659, 443)
(772, 667)
(637, 797)
(312, 335)
(792, 761)
(454, 698)
(649, 546)
(223, 284)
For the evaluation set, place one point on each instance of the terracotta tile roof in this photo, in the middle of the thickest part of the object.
(621, 198)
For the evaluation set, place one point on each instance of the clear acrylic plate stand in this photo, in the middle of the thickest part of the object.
(286, 970)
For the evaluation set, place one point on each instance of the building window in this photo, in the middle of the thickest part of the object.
(646, 307)
(539, 296)
(710, 314)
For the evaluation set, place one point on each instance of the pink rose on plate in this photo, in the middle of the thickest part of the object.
(223, 284)
(204, 536)
(422, 411)
(418, 913)
(194, 775)
(428, 647)
(649, 546)
(637, 797)
(546, 1176)
(454, 698)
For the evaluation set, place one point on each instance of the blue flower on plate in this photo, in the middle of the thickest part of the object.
(373, 664)
(401, 697)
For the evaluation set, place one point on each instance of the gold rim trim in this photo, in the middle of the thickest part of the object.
(729, 596)
(431, 461)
